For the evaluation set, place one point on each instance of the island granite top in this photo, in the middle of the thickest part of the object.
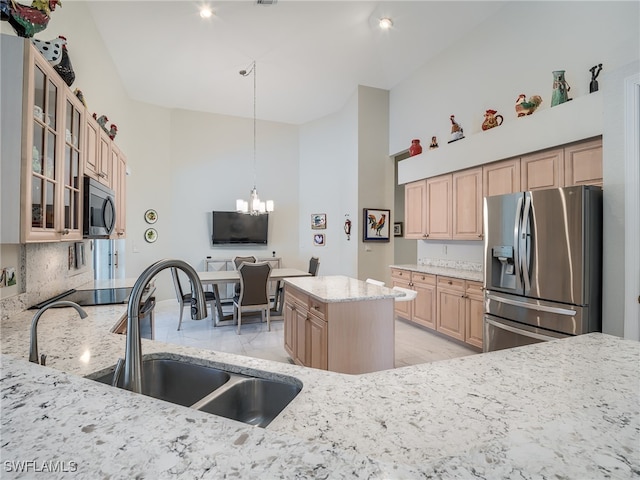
(567, 408)
(338, 288)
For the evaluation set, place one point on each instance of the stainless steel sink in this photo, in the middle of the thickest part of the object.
(176, 381)
(250, 399)
(256, 401)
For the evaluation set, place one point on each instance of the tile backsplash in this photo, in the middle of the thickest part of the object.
(45, 272)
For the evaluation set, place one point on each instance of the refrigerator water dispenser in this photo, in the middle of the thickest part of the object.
(503, 268)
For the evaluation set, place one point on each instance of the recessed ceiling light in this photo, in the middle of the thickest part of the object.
(385, 23)
(205, 12)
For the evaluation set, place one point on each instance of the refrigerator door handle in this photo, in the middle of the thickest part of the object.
(516, 240)
(524, 333)
(524, 251)
(533, 306)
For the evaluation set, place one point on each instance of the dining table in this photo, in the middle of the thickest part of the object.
(223, 277)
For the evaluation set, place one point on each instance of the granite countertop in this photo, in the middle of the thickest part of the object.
(338, 288)
(462, 271)
(568, 408)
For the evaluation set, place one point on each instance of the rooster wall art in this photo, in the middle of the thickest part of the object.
(27, 20)
(377, 225)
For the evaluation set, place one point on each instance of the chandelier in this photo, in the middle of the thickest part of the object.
(254, 206)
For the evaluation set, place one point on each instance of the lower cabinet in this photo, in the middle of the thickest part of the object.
(451, 311)
(305, 338)
(423, 309)
(451, 306)
(341, 336)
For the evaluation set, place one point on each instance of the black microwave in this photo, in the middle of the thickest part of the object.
(99, 209)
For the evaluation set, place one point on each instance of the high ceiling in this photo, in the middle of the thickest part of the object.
(310, 55)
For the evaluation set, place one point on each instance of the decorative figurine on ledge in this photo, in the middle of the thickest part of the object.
(491, 120)
(113, 131)
(415, 148)
(434, 143)
(456, 130)
(27, 21)
(560, 89)
(595, 71)
(527, 107)
(55, 52)
(78, 93)
(102, 121)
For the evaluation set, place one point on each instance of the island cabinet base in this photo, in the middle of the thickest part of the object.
(346, 337)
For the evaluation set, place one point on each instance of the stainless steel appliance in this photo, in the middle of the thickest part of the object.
(543, 265)
(99, 218)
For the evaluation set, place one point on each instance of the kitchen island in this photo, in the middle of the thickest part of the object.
(339, 324)
(562, 409)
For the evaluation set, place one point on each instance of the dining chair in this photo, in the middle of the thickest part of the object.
(184, 299)
(314, 264)
(254, 292)
(237, 261)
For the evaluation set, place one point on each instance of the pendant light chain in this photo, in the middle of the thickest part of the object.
(254, 206)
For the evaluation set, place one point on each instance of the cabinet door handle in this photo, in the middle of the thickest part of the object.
(65, 231)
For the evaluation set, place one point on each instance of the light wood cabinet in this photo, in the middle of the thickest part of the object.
(451, 307)
(467, 204)
(542, 170)
(52, 152)
(500, 178)
(415, 215)
(402, 278)
(318, 351)
(119, 162)
(424, 305)
(439, 208)
(474, 312)
(346, 337)
(583, 163)
(98, 161)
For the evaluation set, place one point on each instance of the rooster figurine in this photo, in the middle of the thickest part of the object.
(457, 132)
(527, 107)
(113, 131)
(55, 52)
(376, 224)
(25, 20)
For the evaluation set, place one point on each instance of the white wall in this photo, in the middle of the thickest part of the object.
(511, 53)
(212, 166)
(375, 179)
(329, 184)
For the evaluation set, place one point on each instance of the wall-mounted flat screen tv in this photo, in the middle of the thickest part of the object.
(238, 228)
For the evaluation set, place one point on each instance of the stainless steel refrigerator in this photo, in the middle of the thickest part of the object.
(543, 265)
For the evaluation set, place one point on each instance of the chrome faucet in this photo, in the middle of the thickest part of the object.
(33, 346)
(132, 375)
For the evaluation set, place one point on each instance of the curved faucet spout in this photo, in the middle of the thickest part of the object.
(132, 375)
(33, 347)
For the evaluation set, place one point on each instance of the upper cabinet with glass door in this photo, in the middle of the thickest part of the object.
(53, 137)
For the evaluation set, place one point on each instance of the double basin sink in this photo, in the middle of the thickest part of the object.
(250, 399)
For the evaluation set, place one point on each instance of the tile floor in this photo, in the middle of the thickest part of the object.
(414, 345)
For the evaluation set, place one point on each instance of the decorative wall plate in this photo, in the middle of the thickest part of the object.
(151, 216)
(151, 235)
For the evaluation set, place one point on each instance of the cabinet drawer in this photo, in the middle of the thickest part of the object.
(295, 295)
(450, 283)
(401, 274)
(474, 288)
(425, 278)
(319, 309)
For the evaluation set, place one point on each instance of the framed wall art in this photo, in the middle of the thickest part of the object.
(376, 225)
(318, 221)
(397, 229)
(318, 239)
